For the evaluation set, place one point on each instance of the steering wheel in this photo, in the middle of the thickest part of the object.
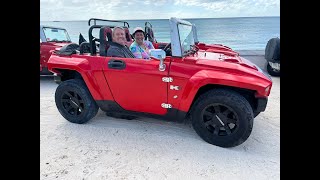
(168, 46)
(167, 49)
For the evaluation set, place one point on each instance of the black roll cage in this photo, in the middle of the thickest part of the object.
(92, 39)
(125, 24)
(93, 23)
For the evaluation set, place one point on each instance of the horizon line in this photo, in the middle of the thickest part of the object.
(169, 18)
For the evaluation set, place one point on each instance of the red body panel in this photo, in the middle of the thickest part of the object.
(45, 52)
(90, 68)
(138, 87)
(191, 73)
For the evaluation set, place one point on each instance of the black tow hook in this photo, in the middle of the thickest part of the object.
(57, 78)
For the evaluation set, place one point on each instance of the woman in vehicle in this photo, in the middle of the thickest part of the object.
(140, 47)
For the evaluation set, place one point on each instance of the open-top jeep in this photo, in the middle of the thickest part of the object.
(220, 91)
(51, 38)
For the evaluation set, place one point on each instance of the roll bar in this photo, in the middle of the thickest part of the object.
(125, 24)
(146, 24)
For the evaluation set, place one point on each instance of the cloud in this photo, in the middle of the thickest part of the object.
(154, 9)
(220, 5)
(233, 8)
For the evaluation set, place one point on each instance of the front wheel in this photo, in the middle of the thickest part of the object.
(75, 102)
(222, 117)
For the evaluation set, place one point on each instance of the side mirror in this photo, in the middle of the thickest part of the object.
(160, 55)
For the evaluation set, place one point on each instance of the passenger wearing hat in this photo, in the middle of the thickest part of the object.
(140, 47)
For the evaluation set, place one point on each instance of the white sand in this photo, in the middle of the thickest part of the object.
(110, 148)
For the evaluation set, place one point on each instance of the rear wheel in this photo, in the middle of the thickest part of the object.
(75, 102)
(222, 117)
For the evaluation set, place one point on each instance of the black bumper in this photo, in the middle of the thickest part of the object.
(261, 104)
(57, 78)
(45, 71)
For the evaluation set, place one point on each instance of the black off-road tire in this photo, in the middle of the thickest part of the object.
(222, 117)
(75, 102)
(255, 114)
(272, 51)
(272, 71)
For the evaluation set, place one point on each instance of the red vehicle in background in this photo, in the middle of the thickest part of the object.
(220, 91)
(51, 38)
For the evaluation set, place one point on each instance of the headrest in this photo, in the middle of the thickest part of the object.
(105, 38)
(106, 32)
(128, 35)
(149, 34)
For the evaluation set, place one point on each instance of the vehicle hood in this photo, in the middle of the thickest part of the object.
(224, 62)
(222, 57)
(204, 46)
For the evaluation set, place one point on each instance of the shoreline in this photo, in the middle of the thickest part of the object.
(250, 52)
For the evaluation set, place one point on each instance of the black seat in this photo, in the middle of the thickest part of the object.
(105, 37)
(68, 49)
(84, 47)
(128, 36)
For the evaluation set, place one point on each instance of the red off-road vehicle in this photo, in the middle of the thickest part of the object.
(51, 38)
(219, 90)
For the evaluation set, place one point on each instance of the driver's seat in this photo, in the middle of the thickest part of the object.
(105, 37)
(128, 36)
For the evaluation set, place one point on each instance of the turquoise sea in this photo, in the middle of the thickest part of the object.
(248, 33)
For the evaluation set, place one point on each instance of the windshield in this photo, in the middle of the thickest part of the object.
(56, 35)
(186, 38)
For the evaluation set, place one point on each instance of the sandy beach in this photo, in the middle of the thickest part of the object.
(145, 148)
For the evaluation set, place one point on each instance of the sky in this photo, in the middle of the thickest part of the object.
(69, 10)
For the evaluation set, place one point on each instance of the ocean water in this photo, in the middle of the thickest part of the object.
(249, 33)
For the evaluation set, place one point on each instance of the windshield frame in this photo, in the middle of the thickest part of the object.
(185, 51)
(175, 36)
(44, 39)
